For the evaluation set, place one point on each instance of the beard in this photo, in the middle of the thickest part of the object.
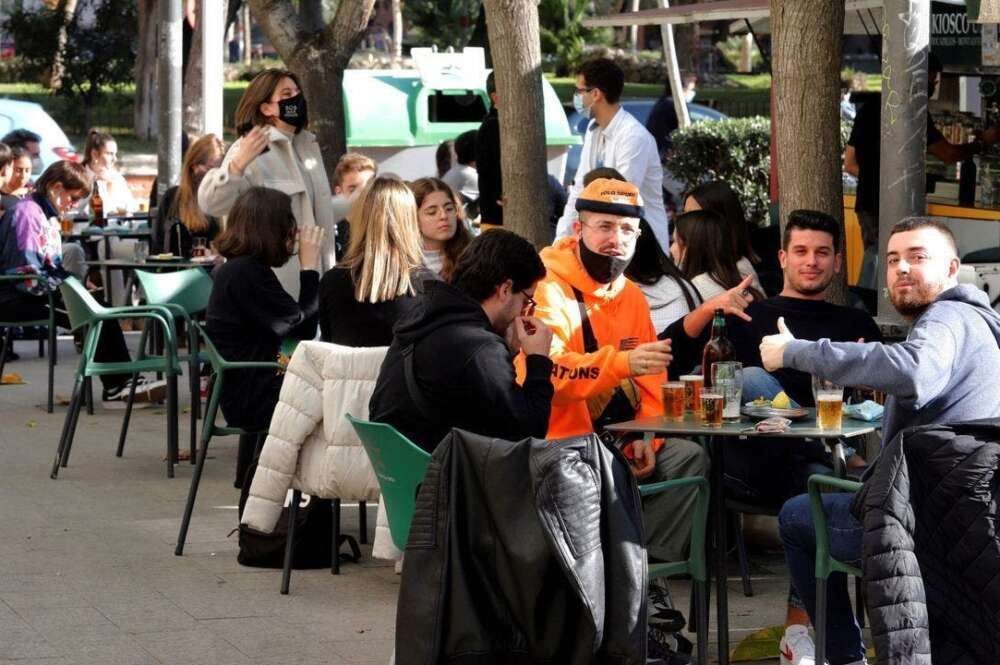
(911, 305)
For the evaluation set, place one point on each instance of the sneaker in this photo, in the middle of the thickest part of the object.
(796, 647)
(661, 649)
(146, 392)
(660, 609)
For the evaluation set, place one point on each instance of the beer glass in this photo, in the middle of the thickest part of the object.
(711, 408)
(692, 391)
(727, 379)
(673, 400)
(199, 247)
(829, 404)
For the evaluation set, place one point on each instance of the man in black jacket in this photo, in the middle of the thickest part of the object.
(450, 365)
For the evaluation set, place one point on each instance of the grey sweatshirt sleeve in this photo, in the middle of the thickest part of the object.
(914, 372)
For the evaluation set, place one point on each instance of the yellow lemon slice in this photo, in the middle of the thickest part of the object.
(781, 401)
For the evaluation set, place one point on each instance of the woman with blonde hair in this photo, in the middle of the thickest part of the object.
(179, 219)
(381, 274)
(443, 232)
(275, 150)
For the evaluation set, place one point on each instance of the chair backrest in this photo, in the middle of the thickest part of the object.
(189, 288)
(81, 307)
(399, 466)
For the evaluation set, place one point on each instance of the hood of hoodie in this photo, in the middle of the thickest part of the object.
(441, 305)
(978, 299)
(561, 259)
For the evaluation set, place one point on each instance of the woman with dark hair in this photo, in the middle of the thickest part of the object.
(669, 294)
(705, 254)
(249, 311)
(719, 198)
(30, 244)
(100, 156)
(19, 184)
(443, 231)
(275, 150)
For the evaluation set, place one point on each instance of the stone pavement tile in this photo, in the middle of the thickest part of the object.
(272, 637)
(66, 623)
(20, 600)
(144, 612)
(95, 650)
(19, 640)
(365, 652)
(192, 647)
(219, 603)
(36, 661)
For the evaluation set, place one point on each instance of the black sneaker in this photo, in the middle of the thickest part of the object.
(661, 649)
(661, 612)
(146, 392)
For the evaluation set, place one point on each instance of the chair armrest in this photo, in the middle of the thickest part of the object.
(655, 488)
(247, 364)
(33, 276)
(170, 336)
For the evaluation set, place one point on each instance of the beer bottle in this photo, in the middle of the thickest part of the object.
(97, 207)
(718, 348)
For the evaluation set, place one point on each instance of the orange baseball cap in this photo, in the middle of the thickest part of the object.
(614, 197)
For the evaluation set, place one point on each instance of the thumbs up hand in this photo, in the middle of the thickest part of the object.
(772, 347)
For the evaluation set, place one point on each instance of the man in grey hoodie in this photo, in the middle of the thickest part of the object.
(944, 372)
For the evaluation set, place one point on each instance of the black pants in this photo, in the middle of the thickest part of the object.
(770, 471)
(110, 344)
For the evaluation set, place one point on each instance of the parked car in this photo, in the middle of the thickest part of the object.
(18, 114)
(640, 108)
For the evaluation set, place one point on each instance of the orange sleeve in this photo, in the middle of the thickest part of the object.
(576, 375)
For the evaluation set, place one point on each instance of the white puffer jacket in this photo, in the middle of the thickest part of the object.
(310, 445)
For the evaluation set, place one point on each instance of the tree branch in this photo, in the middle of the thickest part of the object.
(345, 32)
(282, 25)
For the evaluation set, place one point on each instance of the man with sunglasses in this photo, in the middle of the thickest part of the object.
(449, 364)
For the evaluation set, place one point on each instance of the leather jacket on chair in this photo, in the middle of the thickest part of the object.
(524, 552)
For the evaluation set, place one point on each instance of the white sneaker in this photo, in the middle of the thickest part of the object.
(796, 647)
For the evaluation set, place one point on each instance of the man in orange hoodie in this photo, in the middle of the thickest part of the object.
(608, 365)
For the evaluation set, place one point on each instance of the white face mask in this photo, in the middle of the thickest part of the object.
(580, 107)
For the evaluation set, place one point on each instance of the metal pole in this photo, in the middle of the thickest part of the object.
(213, 26)
(673, 71)
(168, 165)
(902, 185)
(247, 38)
(633, 30)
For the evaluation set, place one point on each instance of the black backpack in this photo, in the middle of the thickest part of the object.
(313, 535)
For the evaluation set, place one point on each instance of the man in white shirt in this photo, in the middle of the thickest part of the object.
(615, 139)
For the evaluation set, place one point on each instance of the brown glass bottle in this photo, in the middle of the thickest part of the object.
(97, 207)
(718, 348)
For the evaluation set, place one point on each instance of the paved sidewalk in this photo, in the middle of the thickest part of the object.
(88, 574)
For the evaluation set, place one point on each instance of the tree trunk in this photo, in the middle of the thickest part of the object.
(397, 30)
(193, 106)
(319, 60)
(68, 9)
(517, 59)
(146, 104)
(806, 48)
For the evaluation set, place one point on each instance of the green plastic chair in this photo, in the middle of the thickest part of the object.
(85, 311)
(208, 427)
(400, 466)
(186, 294)
(695, 565)
(50, 325)
(826, 564)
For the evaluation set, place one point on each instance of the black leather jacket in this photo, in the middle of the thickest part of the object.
(527, 552)
(932, 547)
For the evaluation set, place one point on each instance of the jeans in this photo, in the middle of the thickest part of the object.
(795, 523)
(758, 382)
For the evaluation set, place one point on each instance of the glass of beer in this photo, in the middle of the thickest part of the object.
(199, 247)
(673, 400)
(711, 407)
(829, 404)
(727, 379)
(66, 225)
(692, 391)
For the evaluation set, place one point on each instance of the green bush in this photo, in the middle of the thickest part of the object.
(734, 150)
(738, 151)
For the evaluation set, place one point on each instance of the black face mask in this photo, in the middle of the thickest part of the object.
(293, 111)
(602, 268)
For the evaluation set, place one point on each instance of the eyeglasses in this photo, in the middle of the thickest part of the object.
(627, 230)
(528, 308)
(581, 91)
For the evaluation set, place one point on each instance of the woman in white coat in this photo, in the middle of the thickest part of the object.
(275, 150)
